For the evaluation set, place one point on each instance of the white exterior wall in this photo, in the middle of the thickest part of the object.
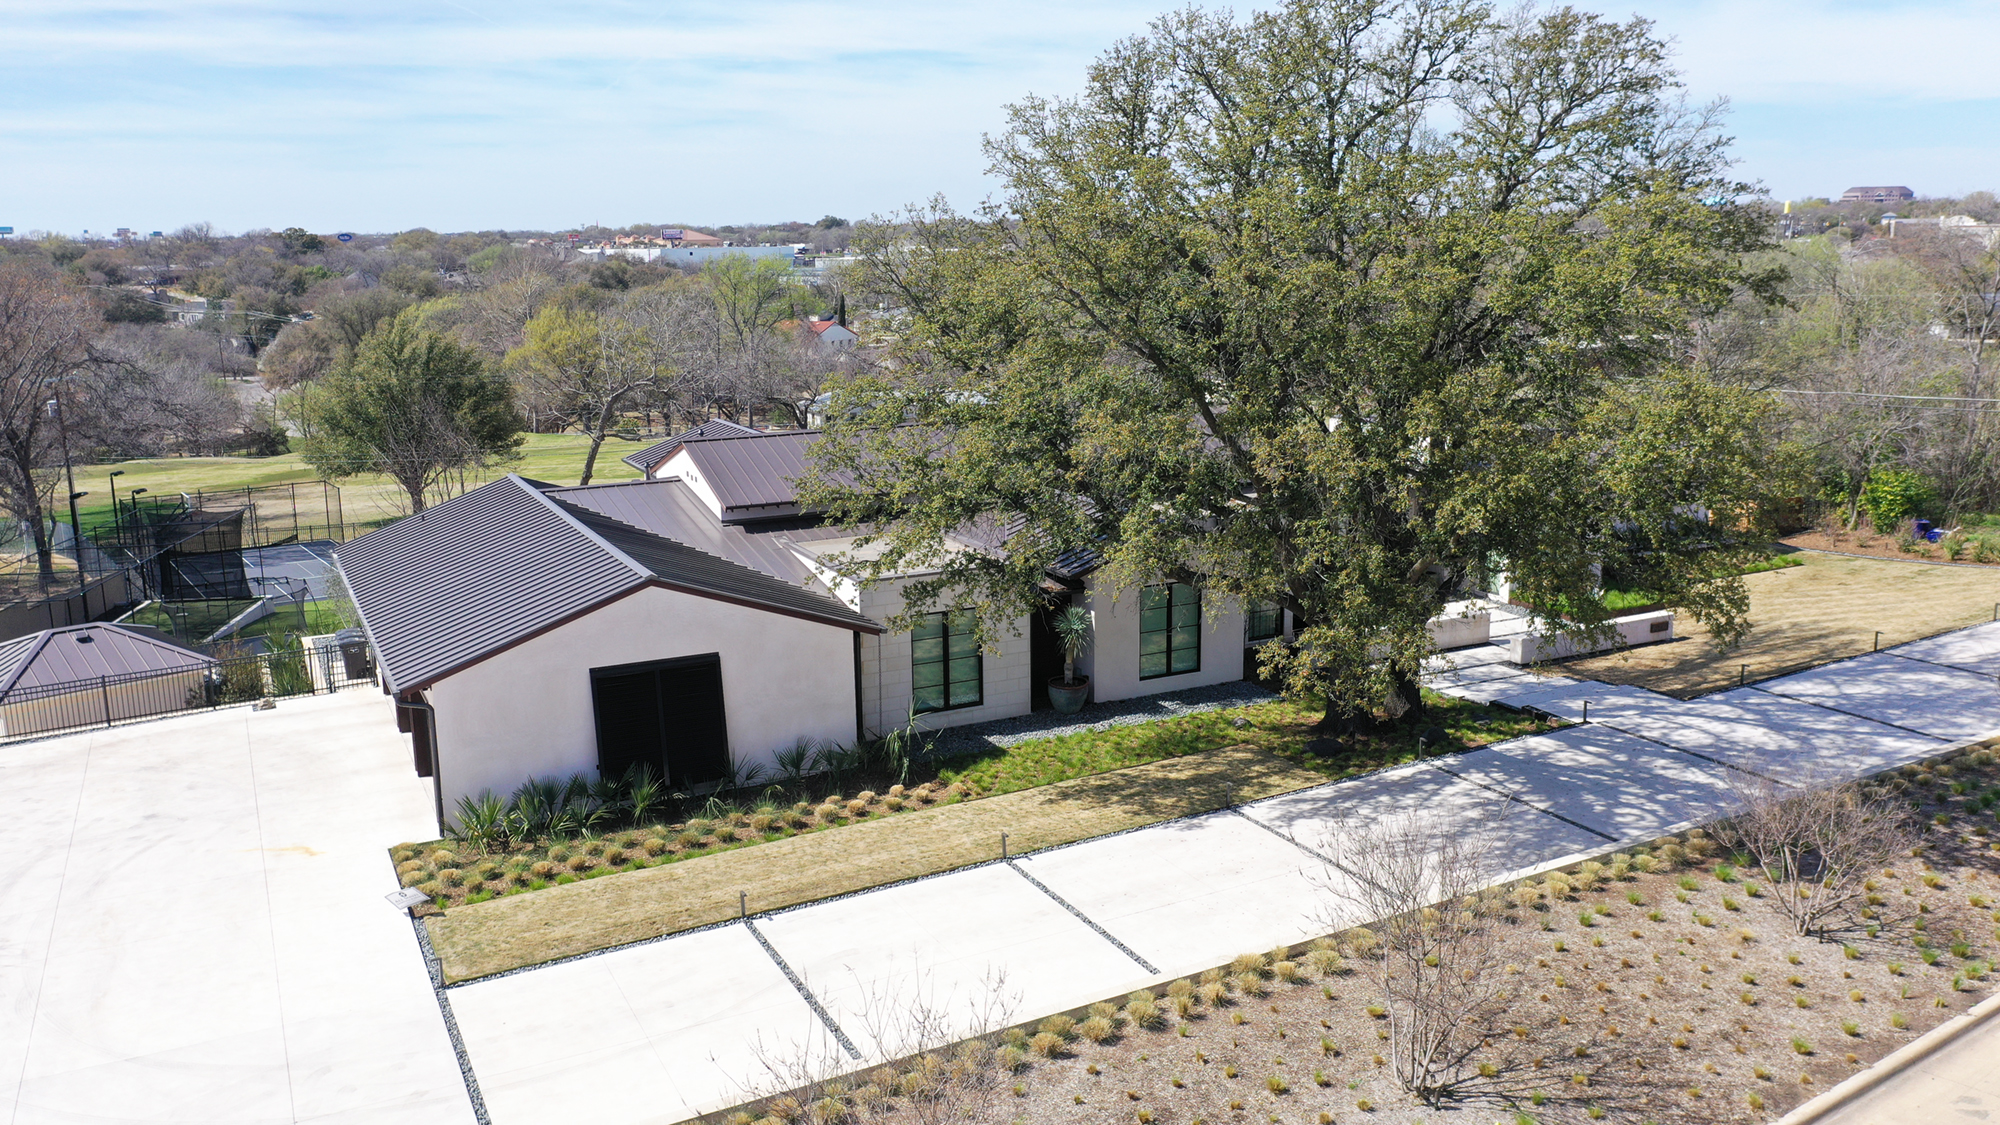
(681, 465)
(1113, 660)
(527, 712)
(886, 681)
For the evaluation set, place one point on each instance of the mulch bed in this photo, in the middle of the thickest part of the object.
(1696, 1002)
(1888, 547)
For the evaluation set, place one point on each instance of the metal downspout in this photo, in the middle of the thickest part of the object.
(419, 703)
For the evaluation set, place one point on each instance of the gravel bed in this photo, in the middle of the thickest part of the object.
(980, 737)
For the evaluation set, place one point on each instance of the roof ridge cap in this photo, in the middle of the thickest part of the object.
(755, 434)
(725, 561)
(561, 509)
(28, 658)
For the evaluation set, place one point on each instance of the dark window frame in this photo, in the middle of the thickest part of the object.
(945, 621)
(1252, 612)
(1179, 618)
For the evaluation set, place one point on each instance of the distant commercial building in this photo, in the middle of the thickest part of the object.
(1877, 195)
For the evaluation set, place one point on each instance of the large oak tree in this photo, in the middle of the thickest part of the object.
(1333, 307)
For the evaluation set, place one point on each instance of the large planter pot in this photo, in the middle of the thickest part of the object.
(1068, 698)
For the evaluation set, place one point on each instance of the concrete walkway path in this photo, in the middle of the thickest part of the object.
(192, 926)
(660, 1031)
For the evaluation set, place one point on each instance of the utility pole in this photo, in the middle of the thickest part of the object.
(69, 475)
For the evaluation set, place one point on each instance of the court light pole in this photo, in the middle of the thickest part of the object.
(117, 518)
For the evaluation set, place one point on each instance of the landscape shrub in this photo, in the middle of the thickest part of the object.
(1891, 496)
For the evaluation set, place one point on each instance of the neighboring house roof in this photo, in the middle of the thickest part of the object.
(32, 664)
(649, 458)
(482, 572)
(1878, 193)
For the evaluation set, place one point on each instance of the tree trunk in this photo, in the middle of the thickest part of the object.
(590, 460)
(1406, 699)
(45, 568)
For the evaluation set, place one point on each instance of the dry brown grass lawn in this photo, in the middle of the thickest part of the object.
(1808, 615)
(517, 930)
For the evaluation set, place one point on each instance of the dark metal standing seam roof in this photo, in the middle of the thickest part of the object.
(489, 569)
(682, 567)
(753, 472)
(668, 507)
(84, 652)
(649, 458)
(472, 575)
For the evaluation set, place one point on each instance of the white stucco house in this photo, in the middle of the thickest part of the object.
(697, 620)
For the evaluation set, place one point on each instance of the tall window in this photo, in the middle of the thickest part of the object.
(944, 662)
(1169, 630)
(1262, 622)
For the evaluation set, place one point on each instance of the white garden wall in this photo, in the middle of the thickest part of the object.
(1634, 629)
(526, 712)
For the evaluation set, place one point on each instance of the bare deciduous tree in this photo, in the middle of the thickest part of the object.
(934, 1055)
(1817, 843)
(1419, 882)
(44, 343)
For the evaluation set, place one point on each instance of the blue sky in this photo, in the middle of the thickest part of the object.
(468, 114)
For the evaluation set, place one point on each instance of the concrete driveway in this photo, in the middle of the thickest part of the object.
(192, 925)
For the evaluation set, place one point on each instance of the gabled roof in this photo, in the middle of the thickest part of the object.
(649, 458)
(482, 572)
(667, 507)
(752, 475)
(29, 665)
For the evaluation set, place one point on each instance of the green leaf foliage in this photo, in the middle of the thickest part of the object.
(413, 404)
(1334, 307)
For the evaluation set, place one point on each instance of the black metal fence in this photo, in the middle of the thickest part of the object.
(199, 686)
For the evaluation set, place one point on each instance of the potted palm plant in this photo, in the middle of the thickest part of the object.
(1072, 630)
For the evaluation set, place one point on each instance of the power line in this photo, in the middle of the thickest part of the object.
(1870, 394)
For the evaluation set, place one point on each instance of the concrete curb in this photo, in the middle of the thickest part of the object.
(1894, 1063)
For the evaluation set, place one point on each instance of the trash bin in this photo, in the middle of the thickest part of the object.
(354, 654)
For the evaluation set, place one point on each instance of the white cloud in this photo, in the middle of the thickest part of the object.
(376, 114)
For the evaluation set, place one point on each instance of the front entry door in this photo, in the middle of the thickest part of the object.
(667, 714)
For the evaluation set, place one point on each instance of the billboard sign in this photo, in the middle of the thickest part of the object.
(344, 237)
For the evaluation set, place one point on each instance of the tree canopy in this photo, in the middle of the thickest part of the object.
(1336, 307)
(412, 404)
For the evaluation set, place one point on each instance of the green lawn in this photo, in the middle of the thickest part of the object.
(368, 499)
(1280, 727)
(188, 622)
(319, 618)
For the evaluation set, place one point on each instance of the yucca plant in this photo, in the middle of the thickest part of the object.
(1072, 629)
(483, 822)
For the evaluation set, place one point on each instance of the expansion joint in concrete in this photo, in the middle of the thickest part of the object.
(825, 1017)
(435, 968)
(1536, 808)
(1086, 919)
(1285, 836)
(1849, 714)
(1665, 745)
